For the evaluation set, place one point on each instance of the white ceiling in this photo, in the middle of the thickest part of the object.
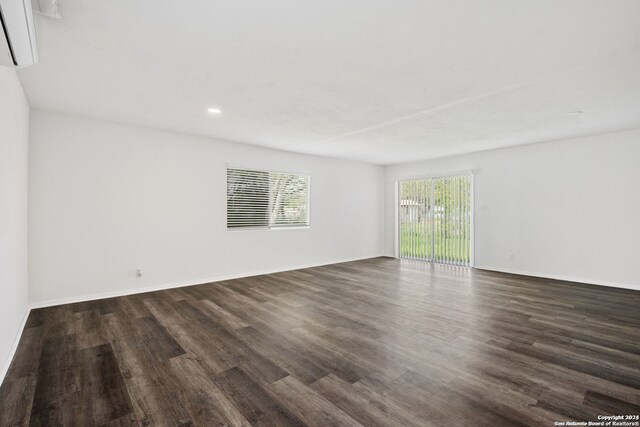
(382, 81)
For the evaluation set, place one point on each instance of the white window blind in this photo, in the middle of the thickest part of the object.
(263, 199)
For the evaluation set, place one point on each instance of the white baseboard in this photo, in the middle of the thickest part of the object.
(580, 280)
(160, 287)
(14, 346)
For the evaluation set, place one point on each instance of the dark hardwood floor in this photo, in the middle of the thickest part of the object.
(374, 342)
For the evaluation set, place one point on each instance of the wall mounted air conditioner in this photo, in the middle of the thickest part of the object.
(17, 37)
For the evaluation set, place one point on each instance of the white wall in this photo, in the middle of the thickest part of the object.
(566, 209)
(106, 199)
(14, 142)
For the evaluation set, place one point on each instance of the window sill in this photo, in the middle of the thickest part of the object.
(297, 227)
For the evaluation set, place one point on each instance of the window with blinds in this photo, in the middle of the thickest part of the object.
(264, 199)
(435, 219)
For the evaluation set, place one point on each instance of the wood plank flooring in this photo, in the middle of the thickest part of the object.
(379, 342)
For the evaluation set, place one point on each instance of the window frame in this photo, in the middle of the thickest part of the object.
(269, 226)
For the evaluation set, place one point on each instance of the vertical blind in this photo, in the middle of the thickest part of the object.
(263, 199)
(435, 219)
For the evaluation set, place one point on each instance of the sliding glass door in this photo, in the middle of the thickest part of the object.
(435, 219)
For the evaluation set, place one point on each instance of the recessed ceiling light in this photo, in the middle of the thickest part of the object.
(573, 113)
(214, 110)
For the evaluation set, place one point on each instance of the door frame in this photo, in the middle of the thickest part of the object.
(396, 204)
